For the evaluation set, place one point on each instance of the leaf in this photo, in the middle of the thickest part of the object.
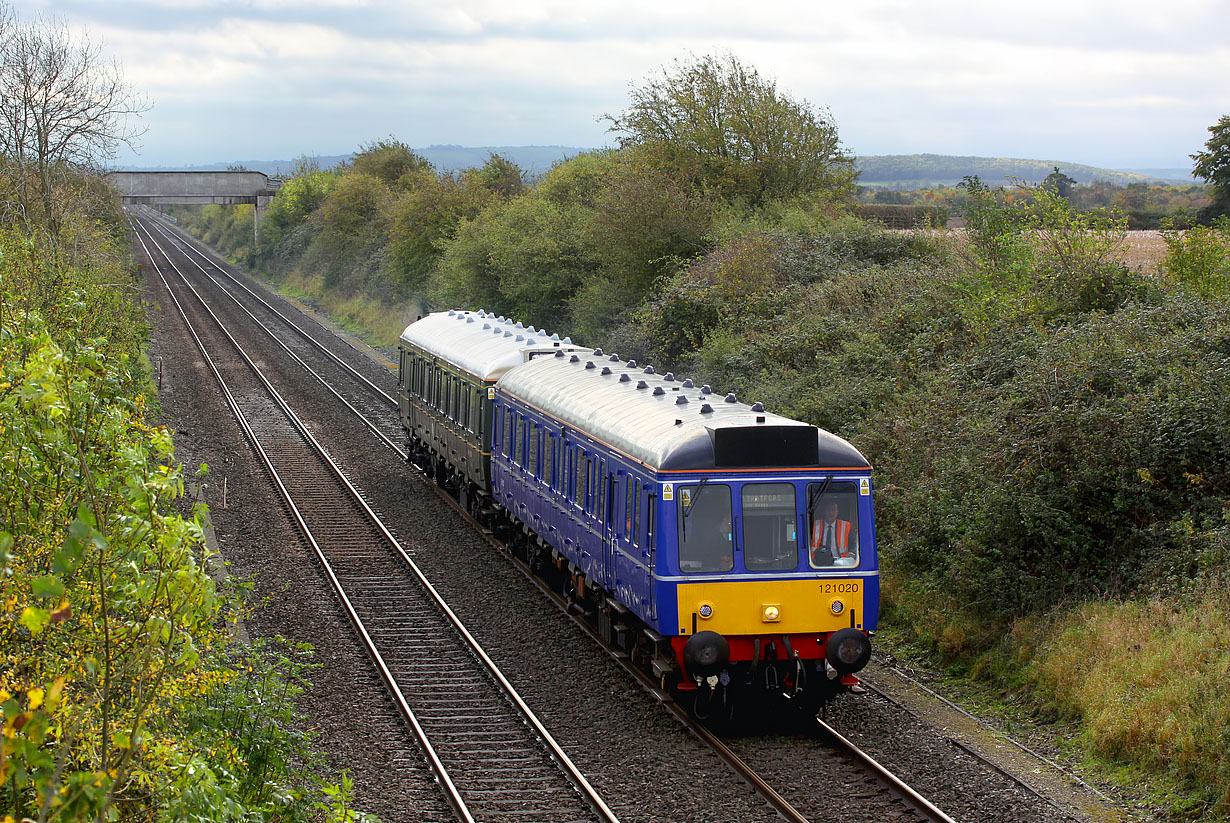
(62, 612)
(68, 557)
(35, 619)
(47, 586)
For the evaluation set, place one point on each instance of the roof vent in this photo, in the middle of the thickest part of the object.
(531, 328)
(568, 340)
(670, 377)
(531, 341)
(706, 409)
(452, 313)
(482, 313)
(658, 390)
(469, 319)
(520, 325)
(730, 398)
(508, 334)
(559, 354)
(500, 318)
(614, 358)
(555, 338)
(624, 378)
(589, 364)
(574, 359)
(597, 352)
(681, 400)
(687, 383)
(758, 406)
(705, 389)
(632, 364)
(678, 422)
(649, 370)
(486, 326)
(521, 337)
(606, 370)
(641, 384)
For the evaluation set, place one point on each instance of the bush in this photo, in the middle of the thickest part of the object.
(1199, 258)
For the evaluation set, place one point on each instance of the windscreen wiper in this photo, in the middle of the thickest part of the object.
(816, 495)
(688, 508)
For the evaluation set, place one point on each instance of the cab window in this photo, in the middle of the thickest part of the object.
(770, 527)
(705, 539)
(832, 524)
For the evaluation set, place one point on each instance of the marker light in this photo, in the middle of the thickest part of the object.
(772, 613)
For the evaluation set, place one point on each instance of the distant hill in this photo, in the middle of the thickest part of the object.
(533, 159)
(919, 171)
(891, 171)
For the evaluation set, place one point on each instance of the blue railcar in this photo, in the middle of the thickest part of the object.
(728, 548)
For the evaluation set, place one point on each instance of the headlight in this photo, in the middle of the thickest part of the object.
(772, 613)
(705, 610)
(837, 606)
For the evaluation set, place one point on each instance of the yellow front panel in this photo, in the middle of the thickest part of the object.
(738, 606)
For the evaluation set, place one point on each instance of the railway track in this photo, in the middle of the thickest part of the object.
(889, 790)
(493, 758)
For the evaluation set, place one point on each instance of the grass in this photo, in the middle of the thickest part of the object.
(1149, 682)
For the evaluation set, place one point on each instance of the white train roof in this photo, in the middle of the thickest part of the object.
(481, 343)
(666, 423)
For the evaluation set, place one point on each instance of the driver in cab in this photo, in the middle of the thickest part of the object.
(832, 543)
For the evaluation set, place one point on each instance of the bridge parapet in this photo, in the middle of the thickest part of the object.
(205, 186)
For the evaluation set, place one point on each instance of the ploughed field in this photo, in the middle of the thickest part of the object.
(643, 762)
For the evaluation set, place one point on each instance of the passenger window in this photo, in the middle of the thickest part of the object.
(832, 522)
(706, 541)
(770, 522)
(628, 507)
(636, 516)
(518, 440)
(506, 431)
(532, 456)
(548, 459)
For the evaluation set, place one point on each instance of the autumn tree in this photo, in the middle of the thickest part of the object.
(727, 129)
(1213, 164)
(63, 108)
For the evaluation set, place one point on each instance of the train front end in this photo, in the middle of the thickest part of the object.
(770, 574)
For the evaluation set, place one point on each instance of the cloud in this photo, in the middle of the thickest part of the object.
(1092, 78)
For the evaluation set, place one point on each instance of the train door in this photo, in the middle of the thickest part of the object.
(650, 509)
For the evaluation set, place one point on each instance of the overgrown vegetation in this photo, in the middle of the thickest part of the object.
(1050, 429)
(122, 695)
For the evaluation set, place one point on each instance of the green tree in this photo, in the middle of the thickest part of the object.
(500, 175)
(388, 160)
(1213, 164)
(1059, 183)
(730, 130)
(425, 215)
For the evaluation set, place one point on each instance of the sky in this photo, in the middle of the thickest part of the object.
(1123, 84)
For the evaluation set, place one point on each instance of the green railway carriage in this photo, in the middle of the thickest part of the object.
(449, 363)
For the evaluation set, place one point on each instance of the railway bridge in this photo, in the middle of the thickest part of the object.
(177, 188)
